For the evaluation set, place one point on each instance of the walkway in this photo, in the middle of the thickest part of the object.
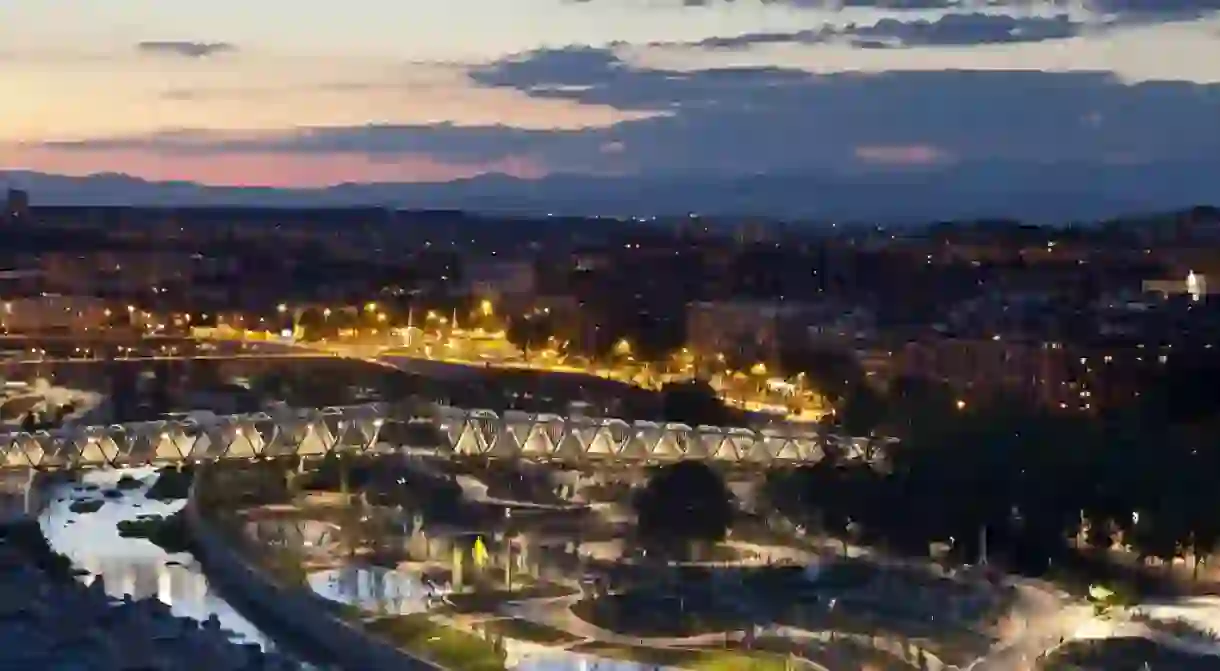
(582, 441)
(557, 613)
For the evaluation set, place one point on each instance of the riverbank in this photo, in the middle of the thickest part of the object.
(50, 619)
(294, 608)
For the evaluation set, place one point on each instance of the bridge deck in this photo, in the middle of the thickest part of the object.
(359, 429)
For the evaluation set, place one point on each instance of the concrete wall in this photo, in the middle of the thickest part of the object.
(298, 612)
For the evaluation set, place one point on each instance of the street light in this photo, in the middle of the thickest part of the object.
(486, 308)
(622, 347)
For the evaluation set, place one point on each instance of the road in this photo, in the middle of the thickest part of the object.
(373, 352)
(193, 357)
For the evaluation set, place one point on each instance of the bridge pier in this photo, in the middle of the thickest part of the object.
(293, 475)
(30, 500)
(20, 496)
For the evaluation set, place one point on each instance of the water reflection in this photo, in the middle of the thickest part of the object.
(133, 565)
(524, 656)
(375, 589)
(395, 592)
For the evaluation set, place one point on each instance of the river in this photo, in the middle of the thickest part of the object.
(136, 566)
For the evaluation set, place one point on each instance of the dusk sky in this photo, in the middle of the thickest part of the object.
(309, 93)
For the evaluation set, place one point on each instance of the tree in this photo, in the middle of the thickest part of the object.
(529, 331)
(657, 335)
(683, 503)
(693, 402)
(862, 411)
(833, 373)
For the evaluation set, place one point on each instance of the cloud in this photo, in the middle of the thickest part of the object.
(948, 30)
(761, 120)
(185, 49)
(380, 143)
(1162, 7)
(769, 121)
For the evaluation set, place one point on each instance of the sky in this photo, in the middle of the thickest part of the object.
(308, 93)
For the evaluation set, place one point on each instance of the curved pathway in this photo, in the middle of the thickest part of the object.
(557, 613)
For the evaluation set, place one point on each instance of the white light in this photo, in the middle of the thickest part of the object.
(1194, 285)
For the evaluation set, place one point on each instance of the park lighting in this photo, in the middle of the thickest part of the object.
(486, 308)
(622, 347)
(381, 317)
(281, 308)
(371, 307)
(326, 312)
(961, 405)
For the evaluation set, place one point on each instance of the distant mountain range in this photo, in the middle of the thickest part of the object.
(1044, 194)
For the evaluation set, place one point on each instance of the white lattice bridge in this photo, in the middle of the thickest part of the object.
(363, 430)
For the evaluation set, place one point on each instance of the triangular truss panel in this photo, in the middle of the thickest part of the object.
(186, 438)
(98, 448)
(779, 445)
(537, 440)
(327, 427)
(451, 422)
(27, 450)
(284, 436)
(123, 439)
(60, 450)
(142, 442)
(675, 442)
(553, 431)
(584, 431)
(742, 442)
(711, 440)
(517, 426)
(614, 436)
(642, 441)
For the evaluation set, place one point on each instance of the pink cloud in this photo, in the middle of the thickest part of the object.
(262, 169)
(899, 155)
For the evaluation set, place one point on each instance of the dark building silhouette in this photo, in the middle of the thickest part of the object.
(17, 205)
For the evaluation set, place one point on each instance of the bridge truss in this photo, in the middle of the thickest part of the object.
(355, 430)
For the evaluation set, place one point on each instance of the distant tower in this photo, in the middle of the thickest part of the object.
(17, 205)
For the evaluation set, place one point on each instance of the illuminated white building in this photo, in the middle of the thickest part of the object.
(1193, 285)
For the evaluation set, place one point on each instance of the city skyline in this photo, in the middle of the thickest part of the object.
(311, 95)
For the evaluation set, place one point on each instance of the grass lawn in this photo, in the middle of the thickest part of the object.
(841, 654)
(694, 659)
(443, 645)
(488, 600)
(525, 630)
(1124, 654)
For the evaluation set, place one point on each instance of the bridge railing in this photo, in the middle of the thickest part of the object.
(457, 431)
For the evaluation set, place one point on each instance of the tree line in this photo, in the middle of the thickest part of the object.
(1033, 488)
(1034, 485)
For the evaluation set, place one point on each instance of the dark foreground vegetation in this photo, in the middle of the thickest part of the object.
(1035, 490)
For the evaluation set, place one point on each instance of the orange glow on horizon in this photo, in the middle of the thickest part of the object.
(280, 170)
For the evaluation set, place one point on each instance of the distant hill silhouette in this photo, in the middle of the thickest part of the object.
(962, 192)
